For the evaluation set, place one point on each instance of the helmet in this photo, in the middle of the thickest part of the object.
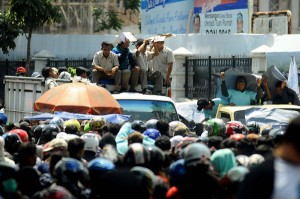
(97, 122)
(91, 142)
(253, 126)
(148, 179)
(37, 132)
(101, 164)
(58, 121)
(72, 122)
(196, 153)
(215, 127)
(237, 136)
(152, 133)
(151, 124)
(49, 133)
(3, 117)
(12, 142)
(277, 134)
(240, 79)
(176, 171)
(172, 127)
(21, 133)
(136, 155)
(138, 125)
(234, 127)
(157, 159)
(266, 130)
(70, 170)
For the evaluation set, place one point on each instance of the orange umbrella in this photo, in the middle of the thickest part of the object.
(78, 98)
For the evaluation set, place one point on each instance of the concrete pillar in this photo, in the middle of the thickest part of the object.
(41, 59)
(259, 59)
(178, 73)
(295, 9)
(264, 6)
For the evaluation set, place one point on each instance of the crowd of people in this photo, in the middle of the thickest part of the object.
(155, 159)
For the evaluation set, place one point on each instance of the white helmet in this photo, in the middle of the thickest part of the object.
(91, 142)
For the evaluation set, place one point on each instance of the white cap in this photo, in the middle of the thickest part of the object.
(159, 38)
(91, 142)
(125, 35)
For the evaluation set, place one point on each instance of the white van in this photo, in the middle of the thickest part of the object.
(146, 107)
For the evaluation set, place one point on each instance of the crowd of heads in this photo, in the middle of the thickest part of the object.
(154, 159)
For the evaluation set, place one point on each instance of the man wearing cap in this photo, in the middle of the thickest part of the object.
(142, 57)
(129, 69)
(106, 65)
(21, 71)
(240, 96)
(164, 60)
(209, 107)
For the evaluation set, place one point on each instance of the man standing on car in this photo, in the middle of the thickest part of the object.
(106, 65)
(240, 96)
(142, 57)
(164, 61)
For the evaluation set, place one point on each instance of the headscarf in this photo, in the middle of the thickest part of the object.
(222, 161)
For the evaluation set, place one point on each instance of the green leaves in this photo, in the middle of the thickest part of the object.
(32, 14)
(107, 19)
(8, 33)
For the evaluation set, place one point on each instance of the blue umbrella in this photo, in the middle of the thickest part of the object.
(112, 118)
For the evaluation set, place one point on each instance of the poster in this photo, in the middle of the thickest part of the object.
(166, 16)
(221, 16)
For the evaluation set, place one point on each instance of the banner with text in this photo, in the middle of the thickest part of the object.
(166, 16)
(221, 16)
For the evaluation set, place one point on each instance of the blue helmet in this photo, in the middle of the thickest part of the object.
(152, 133)
(176, 171)
(101, 164)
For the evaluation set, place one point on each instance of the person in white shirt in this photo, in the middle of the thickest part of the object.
(106, 65)
(142, 57)
(164, 60)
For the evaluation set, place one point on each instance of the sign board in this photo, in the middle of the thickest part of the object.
(278, 22)
(221, 16)
(165, 16)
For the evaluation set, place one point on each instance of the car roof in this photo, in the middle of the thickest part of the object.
(239, 108)
(139, 96)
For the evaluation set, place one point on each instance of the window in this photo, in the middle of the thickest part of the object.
(148, 109)
(274, 5)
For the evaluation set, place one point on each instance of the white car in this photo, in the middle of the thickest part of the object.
(146, 107)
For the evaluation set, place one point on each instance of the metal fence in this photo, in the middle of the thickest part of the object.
(206, 74)
(86, 63)
(9, 68)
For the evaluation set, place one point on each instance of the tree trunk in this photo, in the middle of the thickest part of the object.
(28, 49)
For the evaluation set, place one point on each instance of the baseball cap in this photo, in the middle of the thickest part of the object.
(202, 103)
(139, 42)
(21, 70)
(56, 142)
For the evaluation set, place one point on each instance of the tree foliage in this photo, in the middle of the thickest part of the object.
(107, 19)
(133, 6)
(32, 14)
(8, 33)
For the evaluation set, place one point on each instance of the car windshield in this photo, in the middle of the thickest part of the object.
(148, 109)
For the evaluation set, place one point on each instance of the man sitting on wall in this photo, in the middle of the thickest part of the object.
(106, 66)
